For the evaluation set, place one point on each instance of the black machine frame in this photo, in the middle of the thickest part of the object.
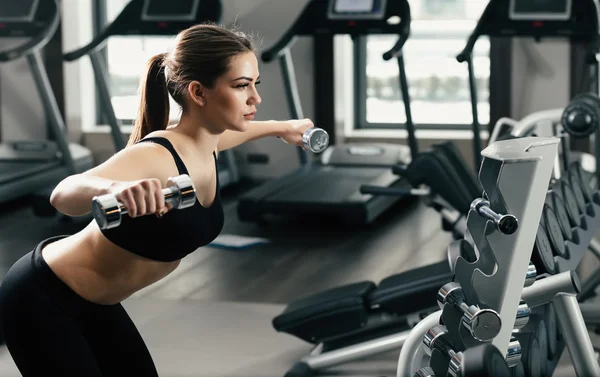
(30, 168)
(496, 21)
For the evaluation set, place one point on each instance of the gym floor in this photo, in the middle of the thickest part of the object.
(212, 316)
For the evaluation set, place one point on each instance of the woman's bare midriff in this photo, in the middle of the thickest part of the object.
(100, 271)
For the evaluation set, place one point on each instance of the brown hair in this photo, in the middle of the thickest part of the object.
(201, 53)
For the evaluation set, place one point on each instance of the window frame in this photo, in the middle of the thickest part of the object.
(360, 105)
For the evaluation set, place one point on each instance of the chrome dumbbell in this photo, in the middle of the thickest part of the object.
(483, 324)
(314, 139)
(437, 338)
(531, 275)
(424, 372)
(523, 314)
(107, 211)
(506, 224)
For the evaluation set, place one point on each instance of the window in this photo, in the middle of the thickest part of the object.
(438, 84)
(127, 57)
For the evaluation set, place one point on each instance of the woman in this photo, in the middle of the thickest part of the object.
(60, 304)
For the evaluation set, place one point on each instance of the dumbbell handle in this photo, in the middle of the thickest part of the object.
(107, 211)
(171, 194)
(506, 224)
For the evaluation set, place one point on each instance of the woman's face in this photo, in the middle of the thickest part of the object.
(232, 102)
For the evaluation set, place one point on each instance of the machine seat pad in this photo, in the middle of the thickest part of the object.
(411, 291)
(326, 314)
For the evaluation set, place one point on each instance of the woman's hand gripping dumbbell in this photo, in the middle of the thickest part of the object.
(303, 134)
(141, 198)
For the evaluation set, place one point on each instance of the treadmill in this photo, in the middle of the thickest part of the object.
(576, 20)
(330, 186)
(29, 167)
(151, 18)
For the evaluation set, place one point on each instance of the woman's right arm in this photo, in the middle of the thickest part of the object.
(134, 175)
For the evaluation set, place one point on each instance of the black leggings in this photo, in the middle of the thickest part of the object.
(51, 330)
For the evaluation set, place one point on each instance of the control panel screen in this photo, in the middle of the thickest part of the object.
(353, 6)
(165, 10)
(17, 11)
(540, 9)
(357, 9)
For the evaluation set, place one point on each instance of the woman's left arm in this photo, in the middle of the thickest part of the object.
(289, 130)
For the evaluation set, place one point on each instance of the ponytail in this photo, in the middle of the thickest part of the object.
(153, 113)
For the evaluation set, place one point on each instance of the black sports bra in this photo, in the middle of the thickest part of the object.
(178, 233)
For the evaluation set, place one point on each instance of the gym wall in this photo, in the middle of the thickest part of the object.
(540, 81)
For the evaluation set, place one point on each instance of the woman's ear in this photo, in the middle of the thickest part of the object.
(196, 93)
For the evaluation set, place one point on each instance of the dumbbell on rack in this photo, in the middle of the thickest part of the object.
(506, 224)
(480, 361)
(446, 361)
(483, 324)
(107, 211)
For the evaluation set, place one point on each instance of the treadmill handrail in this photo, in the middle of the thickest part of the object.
(35, 43)
(594, 46)
(99, 40)
(396, 51)
(96, 43)
(275, 51)
(468, 50)
(133, 9)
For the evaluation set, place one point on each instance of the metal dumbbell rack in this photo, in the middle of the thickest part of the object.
(515, 175)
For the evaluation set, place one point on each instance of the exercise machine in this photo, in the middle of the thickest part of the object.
(331, 185)
(29, 167)
(151, 18)
(574, 20)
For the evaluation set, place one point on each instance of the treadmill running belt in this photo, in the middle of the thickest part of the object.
(327, 185)
(10, 171)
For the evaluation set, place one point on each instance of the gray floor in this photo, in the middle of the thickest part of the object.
(212, 316)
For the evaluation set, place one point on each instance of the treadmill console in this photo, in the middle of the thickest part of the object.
(18, 11)
(160, 10)
(26, 18)
(540, 10)
(356, 9)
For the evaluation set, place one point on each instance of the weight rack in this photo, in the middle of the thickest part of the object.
(496, 269)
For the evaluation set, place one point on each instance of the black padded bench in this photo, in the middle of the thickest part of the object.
(338, 311)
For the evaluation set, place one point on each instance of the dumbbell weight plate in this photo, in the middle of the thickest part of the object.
(106, 211)
(533, 361)
(576, 187)
(484, 361)
(542, 338)
(315, 140)
(554, 232)
(186, 196)
(518, 370)
(542, 255)
(558, 205)
(570, 204)
(579, 174)
(551, 331)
